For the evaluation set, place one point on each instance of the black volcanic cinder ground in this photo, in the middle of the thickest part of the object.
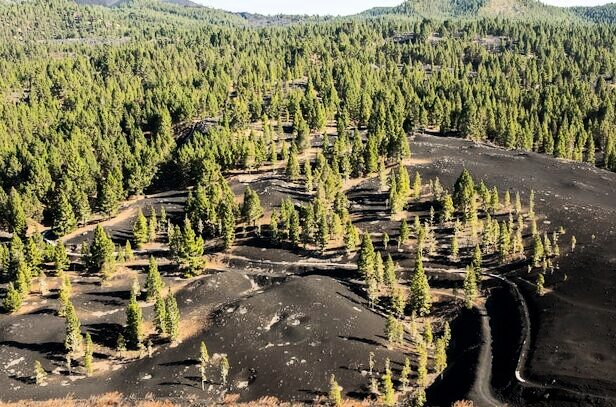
(289, 319)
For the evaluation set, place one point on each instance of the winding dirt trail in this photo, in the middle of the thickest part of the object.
(482, 388)
(127, 210)
(523, 356)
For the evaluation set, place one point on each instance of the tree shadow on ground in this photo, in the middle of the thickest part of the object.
(105, 334)
(187, 362)
(51, 350)
(366, 341)
(43, 311)
(120, 294)
(23, 379)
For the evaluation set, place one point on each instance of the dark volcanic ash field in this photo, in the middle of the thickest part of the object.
(287, 320)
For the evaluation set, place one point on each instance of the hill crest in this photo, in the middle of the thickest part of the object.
(512, 9)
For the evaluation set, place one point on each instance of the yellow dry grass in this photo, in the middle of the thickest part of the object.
(116, 399)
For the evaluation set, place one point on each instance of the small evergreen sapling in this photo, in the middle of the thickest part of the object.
(40, 375)
(335, 394)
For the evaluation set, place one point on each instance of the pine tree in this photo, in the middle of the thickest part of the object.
(128, 251)
(398, 301)
(140, 230)
(389, 394)
(518, 204)
(228, 225)
(273, 154)
(589, 157)
(372, 288)
(440, 356)
(389, 272)
(23, 277)
(538, 252)
(12, 299)
(351, 237)
(121, 345)
(153, 283)
(162, 220)
(204, 359)
(396, 201)
(101, 253)
(73, 339)
(88, 354)
(404, 233)
(371, 363)
(15, 213)
(274, 229)
(470, 287)
(494, 200)
(60, 257)
(447, 208)
(371, 155)
(336, 229)
(251, 208)
(293, 167)
(379, 268)
(64, 294)
(15, 258)
(404, 182)
(417, 186)
(40, 375)
(322, 236)
(189, 250)
(385, 240)
(418, 398)
(504, 243)
(531, 203)
(422, 366)
(507, 201)
(365, 262)
(464, 192)
(374, 386)
(547, 246)
(335, 395)
(160, 315)
(420, 299)
(224, 369)
(63, 219)
(134, 323)
(405, 374)
(540, 284)
(294, 229)
(172, 317)
(455, 248)
(428, 335)
(477, 260)
(446, 333)
(109, 194)
(391, 329)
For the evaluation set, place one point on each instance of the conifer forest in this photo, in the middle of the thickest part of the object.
(409, 206)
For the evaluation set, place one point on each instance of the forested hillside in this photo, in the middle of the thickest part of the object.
(411, 206)
(599, 14)
(441, 9)
(94, 115)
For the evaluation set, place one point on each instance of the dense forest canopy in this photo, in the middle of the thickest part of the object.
(92, 98)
